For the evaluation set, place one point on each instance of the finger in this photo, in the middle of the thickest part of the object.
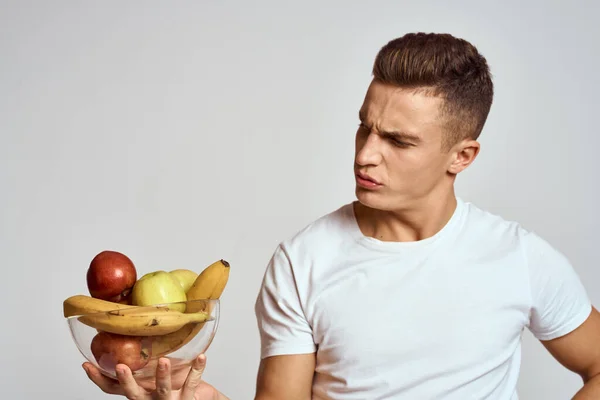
(194, 378)
(179, 374)
(107, 385)
(130, 387)
(163, 379)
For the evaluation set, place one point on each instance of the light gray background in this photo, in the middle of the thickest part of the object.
(184, 132)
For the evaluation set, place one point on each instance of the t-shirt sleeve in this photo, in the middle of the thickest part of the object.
(281, 321)
(560, 302)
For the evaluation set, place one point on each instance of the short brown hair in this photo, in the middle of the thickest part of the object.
(446, 66)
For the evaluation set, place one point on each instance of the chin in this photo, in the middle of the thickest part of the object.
(372, 199)
(380, 200)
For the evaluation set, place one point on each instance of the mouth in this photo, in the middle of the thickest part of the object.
(366, 180)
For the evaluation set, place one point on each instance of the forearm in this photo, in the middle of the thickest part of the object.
(589, 391)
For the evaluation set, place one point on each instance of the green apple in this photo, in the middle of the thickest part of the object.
(158, 287)
(185, 277)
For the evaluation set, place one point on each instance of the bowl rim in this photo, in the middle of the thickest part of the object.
(149, 307)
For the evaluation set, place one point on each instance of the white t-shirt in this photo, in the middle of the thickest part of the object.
(439, 318)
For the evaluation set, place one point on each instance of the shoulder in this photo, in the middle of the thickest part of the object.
(327, 227)
(483, 229)
(321, 235)
(480, 219)
(293, 258)
(485, 225)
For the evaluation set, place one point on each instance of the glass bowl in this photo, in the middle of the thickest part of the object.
(96, 337)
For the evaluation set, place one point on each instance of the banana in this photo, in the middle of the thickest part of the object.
(126, 319)
(133, 322)
(163, 345)
(210, 284)
(81, 305)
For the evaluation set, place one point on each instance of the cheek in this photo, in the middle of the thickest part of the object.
(416, 168)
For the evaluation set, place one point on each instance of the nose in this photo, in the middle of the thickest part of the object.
(367, 150)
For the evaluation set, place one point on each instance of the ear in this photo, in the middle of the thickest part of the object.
(463, 155)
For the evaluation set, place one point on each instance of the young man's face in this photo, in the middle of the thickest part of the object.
(399, 145)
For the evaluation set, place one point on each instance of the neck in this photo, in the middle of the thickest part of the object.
(420, 220)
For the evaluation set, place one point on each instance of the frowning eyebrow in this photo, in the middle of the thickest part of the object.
(397, 135)
(402, 136)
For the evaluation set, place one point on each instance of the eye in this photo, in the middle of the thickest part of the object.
(399, 143)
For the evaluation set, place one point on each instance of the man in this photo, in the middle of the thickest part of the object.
(411, 292)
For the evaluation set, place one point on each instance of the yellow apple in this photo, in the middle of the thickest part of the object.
(185, 277)
(158, 287)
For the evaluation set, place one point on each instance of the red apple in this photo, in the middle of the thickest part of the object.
(110, 349)
(111, 276)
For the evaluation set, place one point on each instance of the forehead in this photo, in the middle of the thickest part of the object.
(392, 108)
